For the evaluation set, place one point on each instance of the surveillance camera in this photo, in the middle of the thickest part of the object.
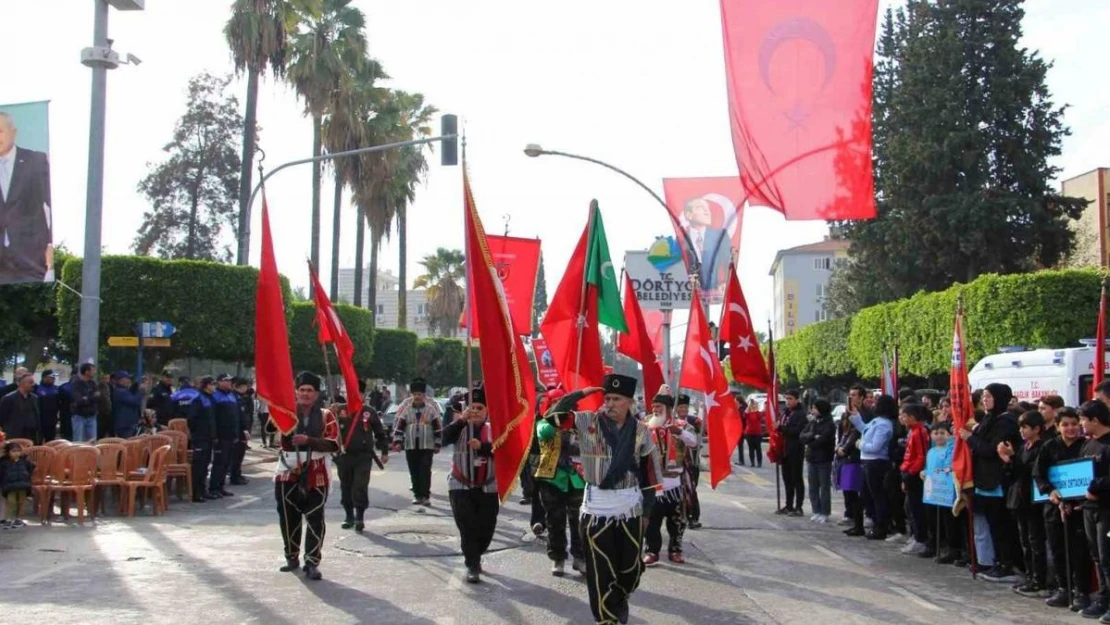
(134, 60)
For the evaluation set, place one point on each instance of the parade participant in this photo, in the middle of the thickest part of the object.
(672, 438)
(793, 461)
(244, 397)
(418, 428)
(472, 484)
(303, 476)
(559, 485)
(622, 469)
(202, 431)
(1018, 467)
(47, 393)
(359, 435)
(1095, 419)
(161, 399)
(227, 431)
(692, 468)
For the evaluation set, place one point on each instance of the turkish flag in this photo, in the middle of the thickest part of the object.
(517, 262)
(510, 389)
(776, 444)
(272, 360)
(701, 371)
(799, 98)
(1100, 344)
(711, 213)
(744, 357)
(637, 343)
(331, 330)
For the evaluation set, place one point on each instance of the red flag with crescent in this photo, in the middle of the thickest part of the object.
(799, 99)
(744, 357)
(331, 330)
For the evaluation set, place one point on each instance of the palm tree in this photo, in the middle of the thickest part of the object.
(258, 34)
(327, 56)
(446, 299)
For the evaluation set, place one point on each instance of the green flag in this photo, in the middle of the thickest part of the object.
(601, 274)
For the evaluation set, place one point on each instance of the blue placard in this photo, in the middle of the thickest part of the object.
(940, 489)
(1071, 478)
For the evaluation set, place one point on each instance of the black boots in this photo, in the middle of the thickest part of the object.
(359, 523)
(348, 520)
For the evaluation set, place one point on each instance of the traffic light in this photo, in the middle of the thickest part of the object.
(449, 126)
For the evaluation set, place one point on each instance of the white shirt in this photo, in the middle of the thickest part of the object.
(7, 166)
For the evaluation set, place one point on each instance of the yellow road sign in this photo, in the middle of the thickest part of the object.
(123, 341)
(156, 342)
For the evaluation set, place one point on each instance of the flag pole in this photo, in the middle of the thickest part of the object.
(582, 299)
(469, 280)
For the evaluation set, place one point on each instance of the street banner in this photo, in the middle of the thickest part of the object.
(517, 262)
(26, 219)
(545, 364)
(660, 284)
(711, 212)
(1071, 478)
(798, 74)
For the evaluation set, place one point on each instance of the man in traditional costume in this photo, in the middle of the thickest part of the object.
(303, 476)
(418, 428)
(472, 484)
(672, 438)
(621, 466)
(560, 487)
(692, 474)
(360, 434)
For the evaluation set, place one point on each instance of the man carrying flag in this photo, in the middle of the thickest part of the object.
(622, 469)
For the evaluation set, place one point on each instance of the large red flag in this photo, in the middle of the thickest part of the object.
(1100, 344)
(508, 380)
(701, 371)
(776, 445)
(272, 361)
(744, 357)
(963, 410)
(517, 262)
(637, 343)
(799, 99)
(576, 356)
(711, 212)
(331, 330)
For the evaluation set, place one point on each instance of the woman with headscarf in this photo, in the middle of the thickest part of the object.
(995, 426)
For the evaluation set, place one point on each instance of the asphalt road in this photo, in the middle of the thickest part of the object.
(217, 563)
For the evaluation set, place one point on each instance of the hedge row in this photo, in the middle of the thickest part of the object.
(1053, 308)
(442, 362)
(306, 351)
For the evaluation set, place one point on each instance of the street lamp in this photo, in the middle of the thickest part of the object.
(101, 58)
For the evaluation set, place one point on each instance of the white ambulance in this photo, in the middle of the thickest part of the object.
(1067, 372)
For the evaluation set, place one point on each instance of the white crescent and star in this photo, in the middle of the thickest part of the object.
(708, 360)
(607, 265)
(737, 309)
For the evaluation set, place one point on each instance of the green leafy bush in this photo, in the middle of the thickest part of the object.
(394, 357)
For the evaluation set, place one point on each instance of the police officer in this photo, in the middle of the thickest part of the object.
(359, 435)
(183, 398)
(244, 396)
(161, 399)
(202, 430)
(227, 432)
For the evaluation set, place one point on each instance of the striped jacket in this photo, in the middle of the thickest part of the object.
(470, 468)
(418, 428)
(596, 455)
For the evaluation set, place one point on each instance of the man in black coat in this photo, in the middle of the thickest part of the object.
(161, 401)
(19, 410)
(49, 404)
(793, 460)
(26, 250)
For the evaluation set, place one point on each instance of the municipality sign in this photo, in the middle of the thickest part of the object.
(659, 276)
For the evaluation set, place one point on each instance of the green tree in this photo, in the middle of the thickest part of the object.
(192, 192)
(326, 56)
(258, 34)
(539, 302)
(446, 298)
(964, 128)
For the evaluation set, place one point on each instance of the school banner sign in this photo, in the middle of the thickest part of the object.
(940, 488)
(1071, 478)
(26, 219)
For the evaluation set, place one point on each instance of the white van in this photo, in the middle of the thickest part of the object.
(1067, 372)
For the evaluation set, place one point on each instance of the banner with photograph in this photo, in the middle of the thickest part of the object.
(711, 212)
(26, 222)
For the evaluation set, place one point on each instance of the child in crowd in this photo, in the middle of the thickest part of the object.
(1094, 418)
(15, 483)
(1019, 500)
(938, 464)
(848, 474)
(1064, 518)
(913, 416)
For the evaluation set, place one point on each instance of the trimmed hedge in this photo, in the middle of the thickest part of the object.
(442, 362)
(394, 355)
(1053, 308)
(210, 304)
(306, 351)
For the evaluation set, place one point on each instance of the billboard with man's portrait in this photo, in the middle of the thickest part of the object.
(710, 211)
(26, 222)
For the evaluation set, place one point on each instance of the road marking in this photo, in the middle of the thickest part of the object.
(751, 478)
(50, 572)
(830, 553)
(918, 600)
(771, 524)
(245, 501)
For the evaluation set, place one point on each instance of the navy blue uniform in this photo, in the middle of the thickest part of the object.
(202, 431)
(227, 431)
(239, 447)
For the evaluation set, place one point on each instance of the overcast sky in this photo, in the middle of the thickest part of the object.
(636, 83)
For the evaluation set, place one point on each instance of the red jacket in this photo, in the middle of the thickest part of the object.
(917, 446)
(753, 422)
